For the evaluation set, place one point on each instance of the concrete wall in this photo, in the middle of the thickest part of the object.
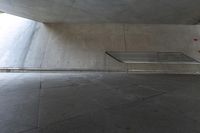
(164, 38)
(83, 46)
(77, 47)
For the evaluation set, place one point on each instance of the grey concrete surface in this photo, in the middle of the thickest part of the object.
(99, 103)
(27, 44)
(83, 46)
(103, 11)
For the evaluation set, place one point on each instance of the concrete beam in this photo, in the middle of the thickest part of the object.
(105, 11)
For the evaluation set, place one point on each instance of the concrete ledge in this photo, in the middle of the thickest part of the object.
(165, 68)
(161, 72)
(40, 70)
(51, 70)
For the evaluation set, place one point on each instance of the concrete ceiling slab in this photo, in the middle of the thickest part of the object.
(106, 11)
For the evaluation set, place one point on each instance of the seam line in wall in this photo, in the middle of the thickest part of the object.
(124, 29)
(125, 45)
(45, 48)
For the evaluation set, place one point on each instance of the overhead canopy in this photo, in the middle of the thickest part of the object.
(106, 11)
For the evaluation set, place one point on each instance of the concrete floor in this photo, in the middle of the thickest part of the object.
(99, 103)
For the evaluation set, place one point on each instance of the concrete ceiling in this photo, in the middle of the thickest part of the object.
(103, 11)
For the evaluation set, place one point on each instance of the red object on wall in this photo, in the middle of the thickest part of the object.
(195, 39)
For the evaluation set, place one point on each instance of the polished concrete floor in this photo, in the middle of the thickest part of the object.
(99, 103)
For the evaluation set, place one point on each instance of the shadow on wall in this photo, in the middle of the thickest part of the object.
(83, 46)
